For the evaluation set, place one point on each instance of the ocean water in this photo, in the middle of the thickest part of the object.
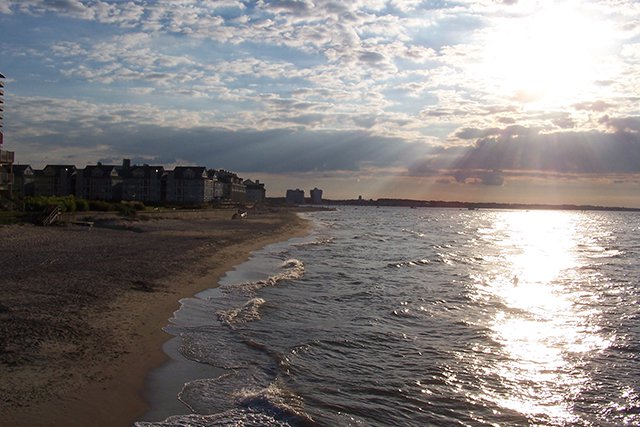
(420, 317)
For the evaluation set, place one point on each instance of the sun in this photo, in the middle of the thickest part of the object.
(550, 53)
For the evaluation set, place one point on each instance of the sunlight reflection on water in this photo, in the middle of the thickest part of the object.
(541, 330)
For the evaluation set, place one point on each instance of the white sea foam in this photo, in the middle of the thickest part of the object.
(272, 405)
(219, 347)
(409, 263)
(209, 395)
(234, 417)
(415, 233)
(320, 241)
(290, 269)
(247, 313)
(274, 400)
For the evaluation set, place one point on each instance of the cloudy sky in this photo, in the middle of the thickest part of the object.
(507, 101)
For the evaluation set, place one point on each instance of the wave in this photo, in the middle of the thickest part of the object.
(275, 401)
(247, 313)
(220, 347)
(415, 233)
(272, 405)
(209, 395)
(370, 236)
(292, 269)
(404, 264)
(234, 417)
(320, 241)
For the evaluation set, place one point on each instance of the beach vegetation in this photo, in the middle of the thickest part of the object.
(82, 205)
(129, 208)
(11, 217)
(73, 204)
(66, 203)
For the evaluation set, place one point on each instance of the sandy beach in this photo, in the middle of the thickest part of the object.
(82, 308)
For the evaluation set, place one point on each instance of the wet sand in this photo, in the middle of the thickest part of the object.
(82, 309)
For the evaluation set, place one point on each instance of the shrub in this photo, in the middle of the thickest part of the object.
(40, 203)
(68, 203)
(82, 205)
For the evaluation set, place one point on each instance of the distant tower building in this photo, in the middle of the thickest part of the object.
(6, 157)
(295, 197)
(316, 196)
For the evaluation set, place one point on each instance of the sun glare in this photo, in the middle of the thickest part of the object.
(540, 328)
(551, 53)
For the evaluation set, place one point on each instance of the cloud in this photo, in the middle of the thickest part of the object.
(564, 122)
(508, 132)
(371, 57)
(299, 8)
(622, 124)
(182, 136)
(125, 14)
(598, 106)
(73, 8)
(493, 177)
(575, 152)
(474, 133)
(422, 168)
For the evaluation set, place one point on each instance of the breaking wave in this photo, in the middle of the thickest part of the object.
(247, 313)
(291, 269)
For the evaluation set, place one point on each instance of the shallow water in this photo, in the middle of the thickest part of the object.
(397, 316)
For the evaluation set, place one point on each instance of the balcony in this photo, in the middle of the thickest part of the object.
(6, 156)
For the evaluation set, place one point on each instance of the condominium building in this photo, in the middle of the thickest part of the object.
(6, 157)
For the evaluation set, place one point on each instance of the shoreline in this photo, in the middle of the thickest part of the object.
(101, 382)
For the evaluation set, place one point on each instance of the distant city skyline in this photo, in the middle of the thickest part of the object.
(484, 101)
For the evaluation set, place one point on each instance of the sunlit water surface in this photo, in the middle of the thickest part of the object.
(421, 317)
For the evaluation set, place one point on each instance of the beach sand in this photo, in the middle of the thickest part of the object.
(82, 308)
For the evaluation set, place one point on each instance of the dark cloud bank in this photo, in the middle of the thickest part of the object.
(514, 148)
(521, 148)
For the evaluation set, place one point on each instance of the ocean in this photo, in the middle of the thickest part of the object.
(417, 317)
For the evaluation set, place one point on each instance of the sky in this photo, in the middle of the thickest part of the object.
(485, 101)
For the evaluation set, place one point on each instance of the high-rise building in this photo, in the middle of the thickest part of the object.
(316, 196)
(6, 157)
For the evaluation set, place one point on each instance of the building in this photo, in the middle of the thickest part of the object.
(1, 108)
(218, 187)
(189, 184)
(295, 197)
(232, 187)
(99, 182)
(6, 172)
(316, 196)
(23, 180)
(55, 180)
(256, 192)
(142, 183)
(6, 157)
